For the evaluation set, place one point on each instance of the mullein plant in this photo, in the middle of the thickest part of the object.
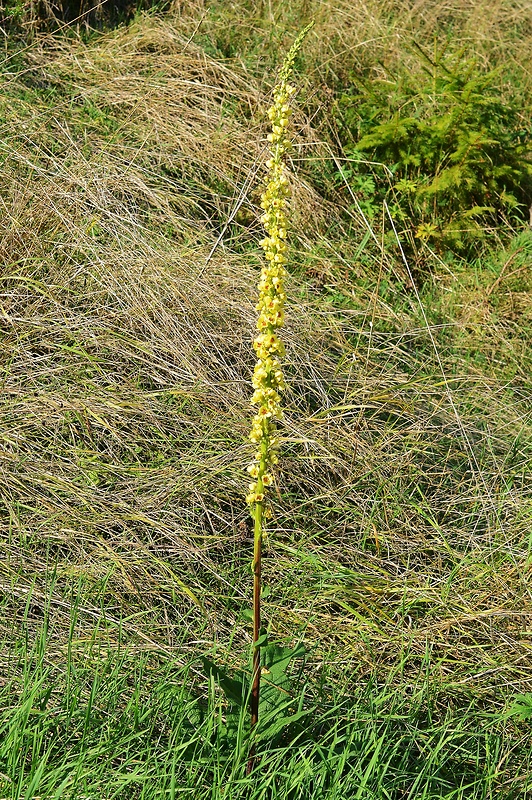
(268, 380)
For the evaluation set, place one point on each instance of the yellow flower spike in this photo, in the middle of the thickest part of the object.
(268, 380)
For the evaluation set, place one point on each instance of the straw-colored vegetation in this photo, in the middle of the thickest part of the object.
(400, 545)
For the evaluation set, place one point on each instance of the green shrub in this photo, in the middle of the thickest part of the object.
(451, 158)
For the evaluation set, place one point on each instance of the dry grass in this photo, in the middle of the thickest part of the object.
(129, 232)
(364, 35)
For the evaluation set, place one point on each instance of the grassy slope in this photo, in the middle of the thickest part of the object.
(400, 543)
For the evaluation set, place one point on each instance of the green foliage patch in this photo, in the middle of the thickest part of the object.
(449, 156)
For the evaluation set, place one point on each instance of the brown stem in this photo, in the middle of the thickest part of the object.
(255, 688)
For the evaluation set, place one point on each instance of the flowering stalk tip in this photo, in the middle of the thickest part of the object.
(268, 380)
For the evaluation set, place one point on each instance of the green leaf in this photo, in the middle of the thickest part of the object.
(277, 659)
(477, 211)
(275, 724)
(276, 684)
(522, 706)
(262, 641)
(234, 689)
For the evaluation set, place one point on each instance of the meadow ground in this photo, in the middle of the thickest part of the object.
(399, 552)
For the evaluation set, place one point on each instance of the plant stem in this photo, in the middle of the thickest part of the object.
(257, 555)
(255, 688)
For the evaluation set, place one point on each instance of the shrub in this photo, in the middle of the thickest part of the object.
(453, 159)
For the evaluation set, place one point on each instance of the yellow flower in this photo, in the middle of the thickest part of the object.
(268, 380)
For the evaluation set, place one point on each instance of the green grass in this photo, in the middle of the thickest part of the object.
(111, 720)
(399, 550)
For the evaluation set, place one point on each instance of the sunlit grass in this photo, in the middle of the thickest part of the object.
(400, 543)
(115, 720)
